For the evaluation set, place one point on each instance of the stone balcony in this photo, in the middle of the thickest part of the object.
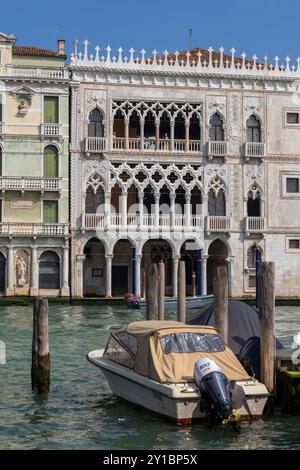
(101, 144)
(134, 222)
(218, 224)
(217, 149)
(51, 130)
(1, 128)
(255, 225)
(26, 183)
(11, 229)
(254, 150)
(34, 72)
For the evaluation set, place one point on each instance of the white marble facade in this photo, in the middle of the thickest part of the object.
(201, 147)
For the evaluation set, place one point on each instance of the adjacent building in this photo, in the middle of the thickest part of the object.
(192, 155)
(34, 171)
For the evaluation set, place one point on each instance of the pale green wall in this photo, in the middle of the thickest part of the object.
(32, 61)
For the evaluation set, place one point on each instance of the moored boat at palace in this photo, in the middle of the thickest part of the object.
(197, 301)
(179, 371)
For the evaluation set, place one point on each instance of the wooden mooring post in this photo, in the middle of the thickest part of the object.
(181, 292)
(152, 292)
(161, 290)
(266, 286)
(40, 366)
(220, 291)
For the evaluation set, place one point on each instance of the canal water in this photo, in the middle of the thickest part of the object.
(81, 413)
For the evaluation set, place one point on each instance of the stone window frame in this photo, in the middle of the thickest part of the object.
(292, 250)
(284, 175)
(285, 112)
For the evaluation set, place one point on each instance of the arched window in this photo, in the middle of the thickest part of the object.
(2, 272)
(216, 198)
(95, 127)
(253, 129)
(253, 202)
(216, 128)
(50, 162)
(49, 271)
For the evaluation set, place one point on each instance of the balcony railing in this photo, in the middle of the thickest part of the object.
(1, 127)
(53, 230)
(24, 183)
(133, 221)
(51, 130)
(218, 224)
(254, 149)
(255, 224)
(95, 144)
(217, 148)
(34, 72)
(150, 144)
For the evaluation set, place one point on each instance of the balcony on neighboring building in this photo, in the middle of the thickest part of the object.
(254, 150)
(218, 224)
(35, 72)
(254, 225)
(33, 229)
(26, 183)
(147, 221)
(1, 128)
(217, 149)
(51, 130)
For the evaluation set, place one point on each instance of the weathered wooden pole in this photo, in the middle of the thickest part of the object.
(220, 291)
(194, 284)
(181, 292)
(40, 367)
(266, 319)
(161, 290)
(152, 292)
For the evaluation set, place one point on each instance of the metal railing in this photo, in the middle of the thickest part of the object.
(254, 149)
(255, 224)
(217, 148)
(24, 183)
(218, 223)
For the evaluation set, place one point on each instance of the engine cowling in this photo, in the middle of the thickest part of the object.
(213, 386)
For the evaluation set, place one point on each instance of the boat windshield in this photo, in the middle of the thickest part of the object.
(187, 342)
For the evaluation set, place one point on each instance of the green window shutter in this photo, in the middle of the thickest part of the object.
(50, 212)
(50, 162)
(51, 109)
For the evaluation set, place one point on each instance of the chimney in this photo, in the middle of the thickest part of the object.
(61, 46)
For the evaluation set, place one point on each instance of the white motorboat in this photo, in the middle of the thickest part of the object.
(182, 372)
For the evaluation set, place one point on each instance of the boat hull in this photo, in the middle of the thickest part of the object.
(191, 302)
(179, 402)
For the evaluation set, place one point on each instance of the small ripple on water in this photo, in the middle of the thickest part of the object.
(81, 413)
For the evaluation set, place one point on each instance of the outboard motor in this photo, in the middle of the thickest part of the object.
(213, 386)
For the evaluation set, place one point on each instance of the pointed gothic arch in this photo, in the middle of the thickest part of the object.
(254, 201)
(216, 127)
(216, 197)
(95, 123)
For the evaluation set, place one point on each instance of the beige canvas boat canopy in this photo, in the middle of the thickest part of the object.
(166, 351)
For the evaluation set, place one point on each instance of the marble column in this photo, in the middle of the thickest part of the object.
(34, 282)
(172, 127)
(187, 211)
(79, 275)
(65, 290)
(204, 280)
(175, 275)
(108, 276)
(138, 276)
(157, 135)
(156, 212)
(141, 209)
(126, 144)
(133, 270)
(107, 210)
(10, 271)
(172, 211)
(187, 136)
(123, 208)
(142, 122)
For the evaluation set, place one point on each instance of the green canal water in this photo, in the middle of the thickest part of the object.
(81, 413)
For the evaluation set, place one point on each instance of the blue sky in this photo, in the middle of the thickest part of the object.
(255, 26)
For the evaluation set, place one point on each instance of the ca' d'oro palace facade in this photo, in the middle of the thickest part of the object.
(122, 158)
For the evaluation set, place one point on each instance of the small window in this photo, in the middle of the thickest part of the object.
(292, 185)
(252, 282)
(117, 353)
(294, 244)
(191, 342)
(292, 118)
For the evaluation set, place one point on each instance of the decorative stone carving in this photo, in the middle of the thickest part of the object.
(21, 270)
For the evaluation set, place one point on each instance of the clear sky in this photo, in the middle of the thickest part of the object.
(255, 26)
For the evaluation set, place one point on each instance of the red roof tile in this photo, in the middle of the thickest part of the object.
(34, 51)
